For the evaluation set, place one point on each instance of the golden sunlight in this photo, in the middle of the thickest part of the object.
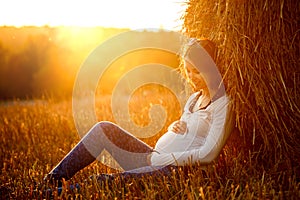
(132, 14)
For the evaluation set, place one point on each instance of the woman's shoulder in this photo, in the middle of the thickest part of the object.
(220, 103)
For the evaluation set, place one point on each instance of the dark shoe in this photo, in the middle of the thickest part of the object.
(105, 178)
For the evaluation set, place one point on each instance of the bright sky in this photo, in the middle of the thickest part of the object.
(109, 13)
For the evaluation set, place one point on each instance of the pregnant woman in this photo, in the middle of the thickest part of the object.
(197, 136)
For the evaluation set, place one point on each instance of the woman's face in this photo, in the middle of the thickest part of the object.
(194, 77)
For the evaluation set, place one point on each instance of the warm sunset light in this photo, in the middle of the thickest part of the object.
(149, 99)
(132, 14)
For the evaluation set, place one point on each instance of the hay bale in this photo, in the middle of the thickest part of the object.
(259, 58)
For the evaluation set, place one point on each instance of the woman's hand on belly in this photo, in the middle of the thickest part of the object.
(178, 127)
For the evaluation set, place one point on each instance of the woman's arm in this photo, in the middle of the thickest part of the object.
(183, 158)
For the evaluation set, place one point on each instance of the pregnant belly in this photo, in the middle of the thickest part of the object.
(171, 142)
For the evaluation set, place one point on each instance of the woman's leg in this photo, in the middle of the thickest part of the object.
(152, 171)
(127, 150)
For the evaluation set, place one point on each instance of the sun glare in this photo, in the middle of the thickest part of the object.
(132, 14)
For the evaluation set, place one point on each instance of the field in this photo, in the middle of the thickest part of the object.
(36, 134)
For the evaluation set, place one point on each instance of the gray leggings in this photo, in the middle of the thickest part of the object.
(130, 153)
(126, 149)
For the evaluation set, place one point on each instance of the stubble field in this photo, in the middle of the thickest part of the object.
(35, 135)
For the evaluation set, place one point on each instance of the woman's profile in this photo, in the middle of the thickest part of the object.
(197, 136)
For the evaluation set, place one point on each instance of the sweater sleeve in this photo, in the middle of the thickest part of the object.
(202, 155)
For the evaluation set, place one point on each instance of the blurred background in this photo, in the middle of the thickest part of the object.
(44, 43)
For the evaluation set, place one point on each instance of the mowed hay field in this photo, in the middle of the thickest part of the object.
(258, 56)
(35, 135)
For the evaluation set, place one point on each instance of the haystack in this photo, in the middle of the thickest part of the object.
(259, 57)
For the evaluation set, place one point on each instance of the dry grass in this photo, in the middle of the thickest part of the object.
(36, 135)
(259, 54)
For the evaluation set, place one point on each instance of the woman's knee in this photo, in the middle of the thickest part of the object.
(100, 128)
(104, 124)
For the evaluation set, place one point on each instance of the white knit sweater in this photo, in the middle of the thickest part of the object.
(203, 140)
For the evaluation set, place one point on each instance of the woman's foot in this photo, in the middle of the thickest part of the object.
(102, 177)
